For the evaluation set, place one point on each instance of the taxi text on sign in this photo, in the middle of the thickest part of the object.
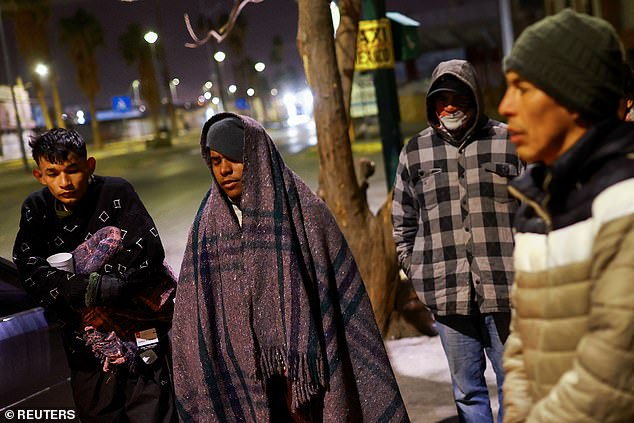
(374, 45)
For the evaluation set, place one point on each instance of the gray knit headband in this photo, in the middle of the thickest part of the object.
(227, 138)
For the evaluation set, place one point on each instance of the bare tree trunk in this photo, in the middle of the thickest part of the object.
(346, 46)
(370, 242)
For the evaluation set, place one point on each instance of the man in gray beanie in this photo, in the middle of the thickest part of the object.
(570, 354)
(272, 322)
(225, 141)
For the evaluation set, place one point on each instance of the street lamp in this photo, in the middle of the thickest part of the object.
(41, 69)
(163, 132)
(136, 97)
(259, 66)
(232, 88)
(151, 37)
(220, 57)
(42, 72)
(173, 83)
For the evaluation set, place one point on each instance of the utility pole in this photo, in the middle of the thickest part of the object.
(165, 77)
(506, 25)
(386, 98)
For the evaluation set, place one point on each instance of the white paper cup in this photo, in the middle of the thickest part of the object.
(62, 261)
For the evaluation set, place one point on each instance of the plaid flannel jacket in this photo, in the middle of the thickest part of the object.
(453, 216)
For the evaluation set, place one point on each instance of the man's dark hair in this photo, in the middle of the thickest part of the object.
(56, 144)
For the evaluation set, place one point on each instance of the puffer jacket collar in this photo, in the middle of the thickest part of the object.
(540, 183)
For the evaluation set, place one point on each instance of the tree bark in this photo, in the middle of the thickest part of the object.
(150, 92)
(346, 46)
(368, 235)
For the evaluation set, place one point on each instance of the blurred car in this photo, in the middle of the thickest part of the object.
(34, 372)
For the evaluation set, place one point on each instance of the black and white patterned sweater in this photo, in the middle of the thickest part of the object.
(109, 201)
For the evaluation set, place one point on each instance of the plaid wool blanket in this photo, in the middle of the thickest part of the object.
(279, 296)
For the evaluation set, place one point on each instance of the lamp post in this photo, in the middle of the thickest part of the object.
(219, 57)
(162, 135)
(173, 84)
(136, 96)
(152, 37)
(44, 72)
(41, 70)
(387, 101)
(263, 89)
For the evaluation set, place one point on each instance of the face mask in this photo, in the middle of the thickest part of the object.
(453, 121)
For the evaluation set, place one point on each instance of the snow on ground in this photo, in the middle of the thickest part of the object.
(423, 357)
(420, 365)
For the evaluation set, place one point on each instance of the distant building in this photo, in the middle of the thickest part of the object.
(620, 13)
(9, 144)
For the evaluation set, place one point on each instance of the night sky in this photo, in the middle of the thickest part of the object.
(191, 66)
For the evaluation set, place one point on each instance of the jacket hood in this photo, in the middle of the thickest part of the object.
(464, 72)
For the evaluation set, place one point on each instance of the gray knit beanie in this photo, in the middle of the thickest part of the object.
(226, 136)
(576, 59)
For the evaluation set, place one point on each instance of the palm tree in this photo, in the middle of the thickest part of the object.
(82, 33)
(134, 49)
(276, 59)
(30, 19)
(236, 42)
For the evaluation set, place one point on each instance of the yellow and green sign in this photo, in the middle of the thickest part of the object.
(374, 45)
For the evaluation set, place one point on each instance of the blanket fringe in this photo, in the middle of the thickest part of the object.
(306, 373)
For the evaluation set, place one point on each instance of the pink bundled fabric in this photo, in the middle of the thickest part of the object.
(109, 346)
(90, 256)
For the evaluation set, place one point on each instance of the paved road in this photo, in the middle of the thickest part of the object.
(173, 181)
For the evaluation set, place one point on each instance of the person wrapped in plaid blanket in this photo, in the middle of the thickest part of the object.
(272, 322)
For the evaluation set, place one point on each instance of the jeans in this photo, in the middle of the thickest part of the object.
(465, 339)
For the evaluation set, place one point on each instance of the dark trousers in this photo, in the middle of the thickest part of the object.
(120, 397)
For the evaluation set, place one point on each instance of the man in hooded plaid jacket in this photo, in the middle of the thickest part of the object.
(452, 218)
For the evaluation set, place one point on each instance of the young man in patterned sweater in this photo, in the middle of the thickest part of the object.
(119, 286)
(452, 219)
